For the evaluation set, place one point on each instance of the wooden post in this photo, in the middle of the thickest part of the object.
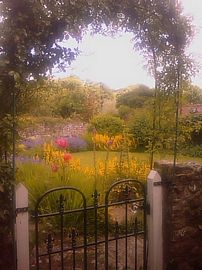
(22, 227)
(154, 221)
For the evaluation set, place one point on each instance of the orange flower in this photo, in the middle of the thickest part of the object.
(67, 156)
(54, 167)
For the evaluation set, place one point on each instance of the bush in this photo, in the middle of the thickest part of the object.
(107, 125)
(140, 129)
(192, 130)
(125, 112)
(193, 151)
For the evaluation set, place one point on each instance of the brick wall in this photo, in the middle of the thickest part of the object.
(182, 215)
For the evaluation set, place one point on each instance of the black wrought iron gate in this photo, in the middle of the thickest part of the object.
(74, 231)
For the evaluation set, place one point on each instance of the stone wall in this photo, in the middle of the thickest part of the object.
(55, 130)
(182, 215)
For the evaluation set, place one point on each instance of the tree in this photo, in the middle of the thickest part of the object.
(72, 97)
(134, 96)
(67, 97)
(70, 104)
(192, 94)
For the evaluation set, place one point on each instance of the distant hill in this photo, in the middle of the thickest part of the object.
(133, 96)
(138, 88)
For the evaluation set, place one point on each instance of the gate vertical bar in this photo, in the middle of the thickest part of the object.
(74, 234)
(14, 175)
(116, 236)
(37, 238)
(85, 233)
(49, 241)
(126, 193)
(62, 241)
(106, 231)
(135, 232)
(126, 236)
(61, 209)
(95, 196)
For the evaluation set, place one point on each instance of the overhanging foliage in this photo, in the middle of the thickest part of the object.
(32, 29)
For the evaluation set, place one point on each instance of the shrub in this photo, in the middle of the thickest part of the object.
(107, 125)
(125, 112)
(193, 151)
(140, 128)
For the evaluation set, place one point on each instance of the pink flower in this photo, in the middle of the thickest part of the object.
(67, 156)
(62, 143)
(110, 142)
(54, 167)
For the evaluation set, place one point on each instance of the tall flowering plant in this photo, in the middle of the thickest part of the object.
(109, 143)
(105, 142)
(58, 157)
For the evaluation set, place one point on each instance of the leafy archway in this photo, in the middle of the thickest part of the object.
(31, 31)
(29, 49)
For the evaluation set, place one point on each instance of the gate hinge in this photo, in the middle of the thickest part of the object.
(147, 208)
(21, 210)
(160, 183)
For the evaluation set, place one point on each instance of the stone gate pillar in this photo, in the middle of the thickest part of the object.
(182, 215)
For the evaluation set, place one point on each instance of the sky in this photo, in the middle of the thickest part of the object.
(114, 61)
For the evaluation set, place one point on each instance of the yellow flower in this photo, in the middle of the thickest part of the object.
(21, 147)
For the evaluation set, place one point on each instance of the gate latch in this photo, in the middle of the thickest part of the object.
(21, 210)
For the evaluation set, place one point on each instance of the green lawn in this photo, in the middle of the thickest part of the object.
(87, 157)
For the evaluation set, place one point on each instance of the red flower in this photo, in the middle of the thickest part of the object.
(67, 156)
(54, 167)
(62, 143)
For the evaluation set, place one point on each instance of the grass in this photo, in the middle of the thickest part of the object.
(87, 157)
(38, 178)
